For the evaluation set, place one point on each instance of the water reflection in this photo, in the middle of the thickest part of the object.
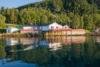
(52, 42)
(28, 41)
(11, 41)
(78, 51)
(67, 39)
(59, 41)
(21, 44)
(98, 39)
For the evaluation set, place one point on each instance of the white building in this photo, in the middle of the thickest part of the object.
(12, 30)
(55, 26)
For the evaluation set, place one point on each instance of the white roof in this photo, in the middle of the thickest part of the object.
(12, 29)
(55, 24)
(27, 27)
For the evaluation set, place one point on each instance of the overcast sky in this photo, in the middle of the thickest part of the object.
(15, 3)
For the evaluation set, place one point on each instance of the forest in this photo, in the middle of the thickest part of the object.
(75, 13)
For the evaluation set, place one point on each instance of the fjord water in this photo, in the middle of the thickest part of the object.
(58, 51)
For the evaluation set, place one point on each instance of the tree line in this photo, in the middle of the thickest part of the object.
(75, 13)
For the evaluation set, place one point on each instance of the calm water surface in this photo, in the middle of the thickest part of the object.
(58, 51)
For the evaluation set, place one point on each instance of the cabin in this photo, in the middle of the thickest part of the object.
(12, 29)
(29, 29)
(55, 26)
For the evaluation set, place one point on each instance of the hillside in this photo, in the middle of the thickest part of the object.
(74, 13)
(44, 4)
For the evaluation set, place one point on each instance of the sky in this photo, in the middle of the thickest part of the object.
(15, 3)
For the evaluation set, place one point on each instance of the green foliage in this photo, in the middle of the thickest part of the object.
(11, 15)
(2, 50)
(97, 20)
(2, 21)
(57, 5)
(88, 22)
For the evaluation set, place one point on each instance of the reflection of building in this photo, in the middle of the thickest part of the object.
(55, 46)
(67, 40)
(28, 41)
(43, 43)
(22, 44)
(97, 31)
(75, 39)
(11, 41)
(98, 39)
(58, 41)
(22, 48)
(30, 47)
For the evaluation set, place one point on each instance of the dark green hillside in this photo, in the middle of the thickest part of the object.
(47, 3)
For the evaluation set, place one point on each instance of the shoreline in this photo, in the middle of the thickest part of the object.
(18, 35)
